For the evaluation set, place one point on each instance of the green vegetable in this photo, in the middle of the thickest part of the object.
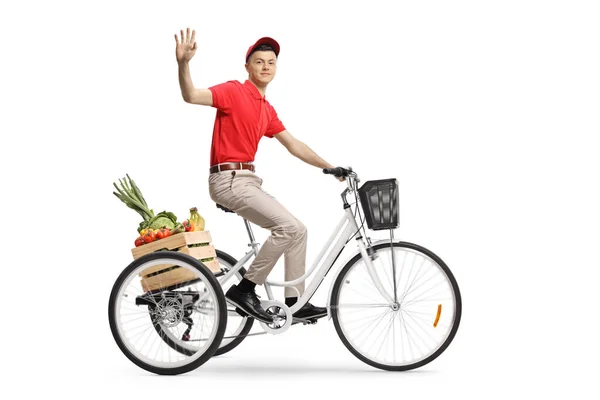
(133, 198)
(163, 219)
(178, 228)
(130, 194)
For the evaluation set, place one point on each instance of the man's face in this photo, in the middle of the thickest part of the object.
(262, 66)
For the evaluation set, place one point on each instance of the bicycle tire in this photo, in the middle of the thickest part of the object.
(221, 319)
(336, 318)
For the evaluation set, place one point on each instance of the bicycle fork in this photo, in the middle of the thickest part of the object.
(368, 261)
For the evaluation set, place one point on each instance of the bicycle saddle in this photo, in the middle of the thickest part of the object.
(224, 208)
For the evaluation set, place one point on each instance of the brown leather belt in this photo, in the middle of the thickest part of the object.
(231, 166)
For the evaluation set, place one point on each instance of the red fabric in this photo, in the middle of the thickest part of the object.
(243, 118)
(266, 40)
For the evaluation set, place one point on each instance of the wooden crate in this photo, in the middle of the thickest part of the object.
(161, 276)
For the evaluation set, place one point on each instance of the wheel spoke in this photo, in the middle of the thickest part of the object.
(399, 335)
(362, 305)
(153, 331)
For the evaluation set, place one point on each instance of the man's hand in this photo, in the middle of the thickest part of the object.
(185, 49)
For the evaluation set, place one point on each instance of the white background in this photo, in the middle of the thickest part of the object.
(485, 111)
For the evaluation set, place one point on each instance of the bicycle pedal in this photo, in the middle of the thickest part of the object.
(310, 321)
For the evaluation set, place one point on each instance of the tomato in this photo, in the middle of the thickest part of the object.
(149, 237)
(163, 233)
(139, 241)
(188, 225)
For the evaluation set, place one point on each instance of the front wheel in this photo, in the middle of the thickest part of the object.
(415, 328)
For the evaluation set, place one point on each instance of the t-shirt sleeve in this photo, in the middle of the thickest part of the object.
(275, 125)
(223, 95)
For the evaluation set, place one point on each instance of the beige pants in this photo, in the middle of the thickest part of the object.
(241, 192)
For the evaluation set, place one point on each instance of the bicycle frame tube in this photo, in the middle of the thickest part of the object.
(350, 228)
(369, 263)
(235, 268)
(343, 234)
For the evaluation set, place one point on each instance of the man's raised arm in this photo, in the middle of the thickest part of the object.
(184, 51)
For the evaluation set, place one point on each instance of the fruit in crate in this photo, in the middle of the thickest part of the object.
(188, 225)
(149, 237)
(196, 219)
(163, 233)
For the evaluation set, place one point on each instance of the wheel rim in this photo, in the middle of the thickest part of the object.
(408, 332)
(134, 323)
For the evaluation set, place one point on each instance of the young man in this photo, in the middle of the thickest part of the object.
(243, 117)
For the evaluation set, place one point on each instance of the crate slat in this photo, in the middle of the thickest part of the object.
(172, 277)
(178, 242)
(213, 265)
(172, 242)
(200, 252)
(156, 268)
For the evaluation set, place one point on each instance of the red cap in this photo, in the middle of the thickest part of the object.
(266, 40)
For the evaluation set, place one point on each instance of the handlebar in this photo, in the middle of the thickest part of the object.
(337, 171)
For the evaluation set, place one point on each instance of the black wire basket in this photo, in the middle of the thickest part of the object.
(379, 201)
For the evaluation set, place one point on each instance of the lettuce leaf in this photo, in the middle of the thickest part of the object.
(164, 218)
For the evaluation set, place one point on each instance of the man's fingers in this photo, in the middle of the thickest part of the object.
(176, 40)
(195, 46)
(193, 36)
(182, 38)
(188, 37)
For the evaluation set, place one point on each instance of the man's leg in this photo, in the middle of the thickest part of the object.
(295, 261)
(244, 195)
(288, 235)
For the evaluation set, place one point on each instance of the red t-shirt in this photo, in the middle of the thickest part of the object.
(243, 118)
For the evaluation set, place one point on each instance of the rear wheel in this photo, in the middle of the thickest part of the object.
(186, 295)
(413, 330)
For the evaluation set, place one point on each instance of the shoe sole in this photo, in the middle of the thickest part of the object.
(316, 316)
(258, 318)
(310, 320)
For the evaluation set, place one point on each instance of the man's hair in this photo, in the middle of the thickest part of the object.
(262, 47)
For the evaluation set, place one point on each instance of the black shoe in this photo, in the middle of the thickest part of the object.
(248, 303)
(309, 311)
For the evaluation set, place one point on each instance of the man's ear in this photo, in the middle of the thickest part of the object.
(247, 70)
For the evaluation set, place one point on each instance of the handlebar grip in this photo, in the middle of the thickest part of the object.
(337, 171)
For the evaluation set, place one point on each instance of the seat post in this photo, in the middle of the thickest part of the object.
(250, 234)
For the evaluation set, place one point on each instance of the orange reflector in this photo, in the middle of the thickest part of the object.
(437, 317)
